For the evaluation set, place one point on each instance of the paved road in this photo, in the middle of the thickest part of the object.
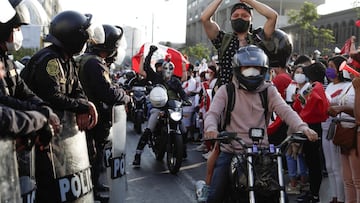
(152, 183)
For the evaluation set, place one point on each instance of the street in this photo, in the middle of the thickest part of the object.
(152, 182)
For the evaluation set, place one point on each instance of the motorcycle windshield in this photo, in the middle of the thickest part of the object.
(174, 104)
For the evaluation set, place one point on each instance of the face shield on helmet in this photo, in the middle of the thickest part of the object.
(113, 36)
(7, 13)
(253, 57)
(167, 69)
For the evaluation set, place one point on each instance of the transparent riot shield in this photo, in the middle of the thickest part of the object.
(26, 164)
(9, 178)
(70, 166)
(116, 170)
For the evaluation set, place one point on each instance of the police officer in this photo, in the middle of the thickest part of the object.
(20, 126)
(94, 75)
(15, 94)
(11, 84)
(51, 74)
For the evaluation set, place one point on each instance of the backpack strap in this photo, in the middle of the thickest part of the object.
(230, 89)
(225, 44)
(264, 100)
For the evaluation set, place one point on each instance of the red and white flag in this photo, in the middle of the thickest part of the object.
(163, 52)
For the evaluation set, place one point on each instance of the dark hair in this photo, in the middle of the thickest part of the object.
(337, 60)
(302, 59)
(213, 69)
(239, 6)
(315, 72)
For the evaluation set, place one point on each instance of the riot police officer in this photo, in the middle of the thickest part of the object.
(15, 94)
(94, 75)
(51, 74)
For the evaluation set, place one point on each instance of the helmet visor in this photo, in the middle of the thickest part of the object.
(96, 31)
(7, 11)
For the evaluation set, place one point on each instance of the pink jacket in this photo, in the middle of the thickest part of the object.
(249, 112)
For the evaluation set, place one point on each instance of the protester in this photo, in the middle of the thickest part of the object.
(350, 162)
(311, 104)
(250, 65)
(241, 22)
(335, 91)
(174, 91)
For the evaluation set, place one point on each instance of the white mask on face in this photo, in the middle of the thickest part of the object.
(16, 42)
(250, 72)
(346, 74)
(299, 78)
(207, 76)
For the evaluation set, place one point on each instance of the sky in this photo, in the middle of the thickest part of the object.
(168, 16)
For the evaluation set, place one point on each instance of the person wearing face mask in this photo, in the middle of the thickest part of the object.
(241, 20)
(174, 91)
(335, 91)
(311, 103)
(249, 67)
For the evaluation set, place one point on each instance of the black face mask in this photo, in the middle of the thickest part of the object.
(239, 25)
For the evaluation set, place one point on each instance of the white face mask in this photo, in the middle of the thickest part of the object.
(346, 74)
(207, 76)
(250, 72)
(299, 78)
(16, 42)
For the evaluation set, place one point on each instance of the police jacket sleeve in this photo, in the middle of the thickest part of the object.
(13, 122)
(98, 79)
(55, 90)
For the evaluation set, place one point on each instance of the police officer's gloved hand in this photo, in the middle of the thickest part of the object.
(153, 48)
(45, 135)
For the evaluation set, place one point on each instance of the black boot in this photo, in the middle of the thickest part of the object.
(137, 160)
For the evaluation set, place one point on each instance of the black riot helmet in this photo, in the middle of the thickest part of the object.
(70, 30)
(113, 35)
(278, 48)
(250, 56)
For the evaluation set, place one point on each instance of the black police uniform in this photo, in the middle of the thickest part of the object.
(17, 123)
(95, 79)
(53, 77)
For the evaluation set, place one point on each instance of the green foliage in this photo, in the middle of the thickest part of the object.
(24, 52)
(305, 18)
(197, 52)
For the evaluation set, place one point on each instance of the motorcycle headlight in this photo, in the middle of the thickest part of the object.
(175, 115)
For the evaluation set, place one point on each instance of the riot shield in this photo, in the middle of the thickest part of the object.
(9, 178)
(26, 164)
(69, 165)
(117, 159)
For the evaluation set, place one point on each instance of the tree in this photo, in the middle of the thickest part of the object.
(197, 52)
(310, 34)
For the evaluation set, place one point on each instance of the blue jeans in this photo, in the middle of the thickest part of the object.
(220, 180)
(293, 164)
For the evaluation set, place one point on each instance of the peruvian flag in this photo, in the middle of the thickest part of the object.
(163, 52)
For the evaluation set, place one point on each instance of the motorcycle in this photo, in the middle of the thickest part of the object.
(167, 137)
(256, 172)
(138, 107)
